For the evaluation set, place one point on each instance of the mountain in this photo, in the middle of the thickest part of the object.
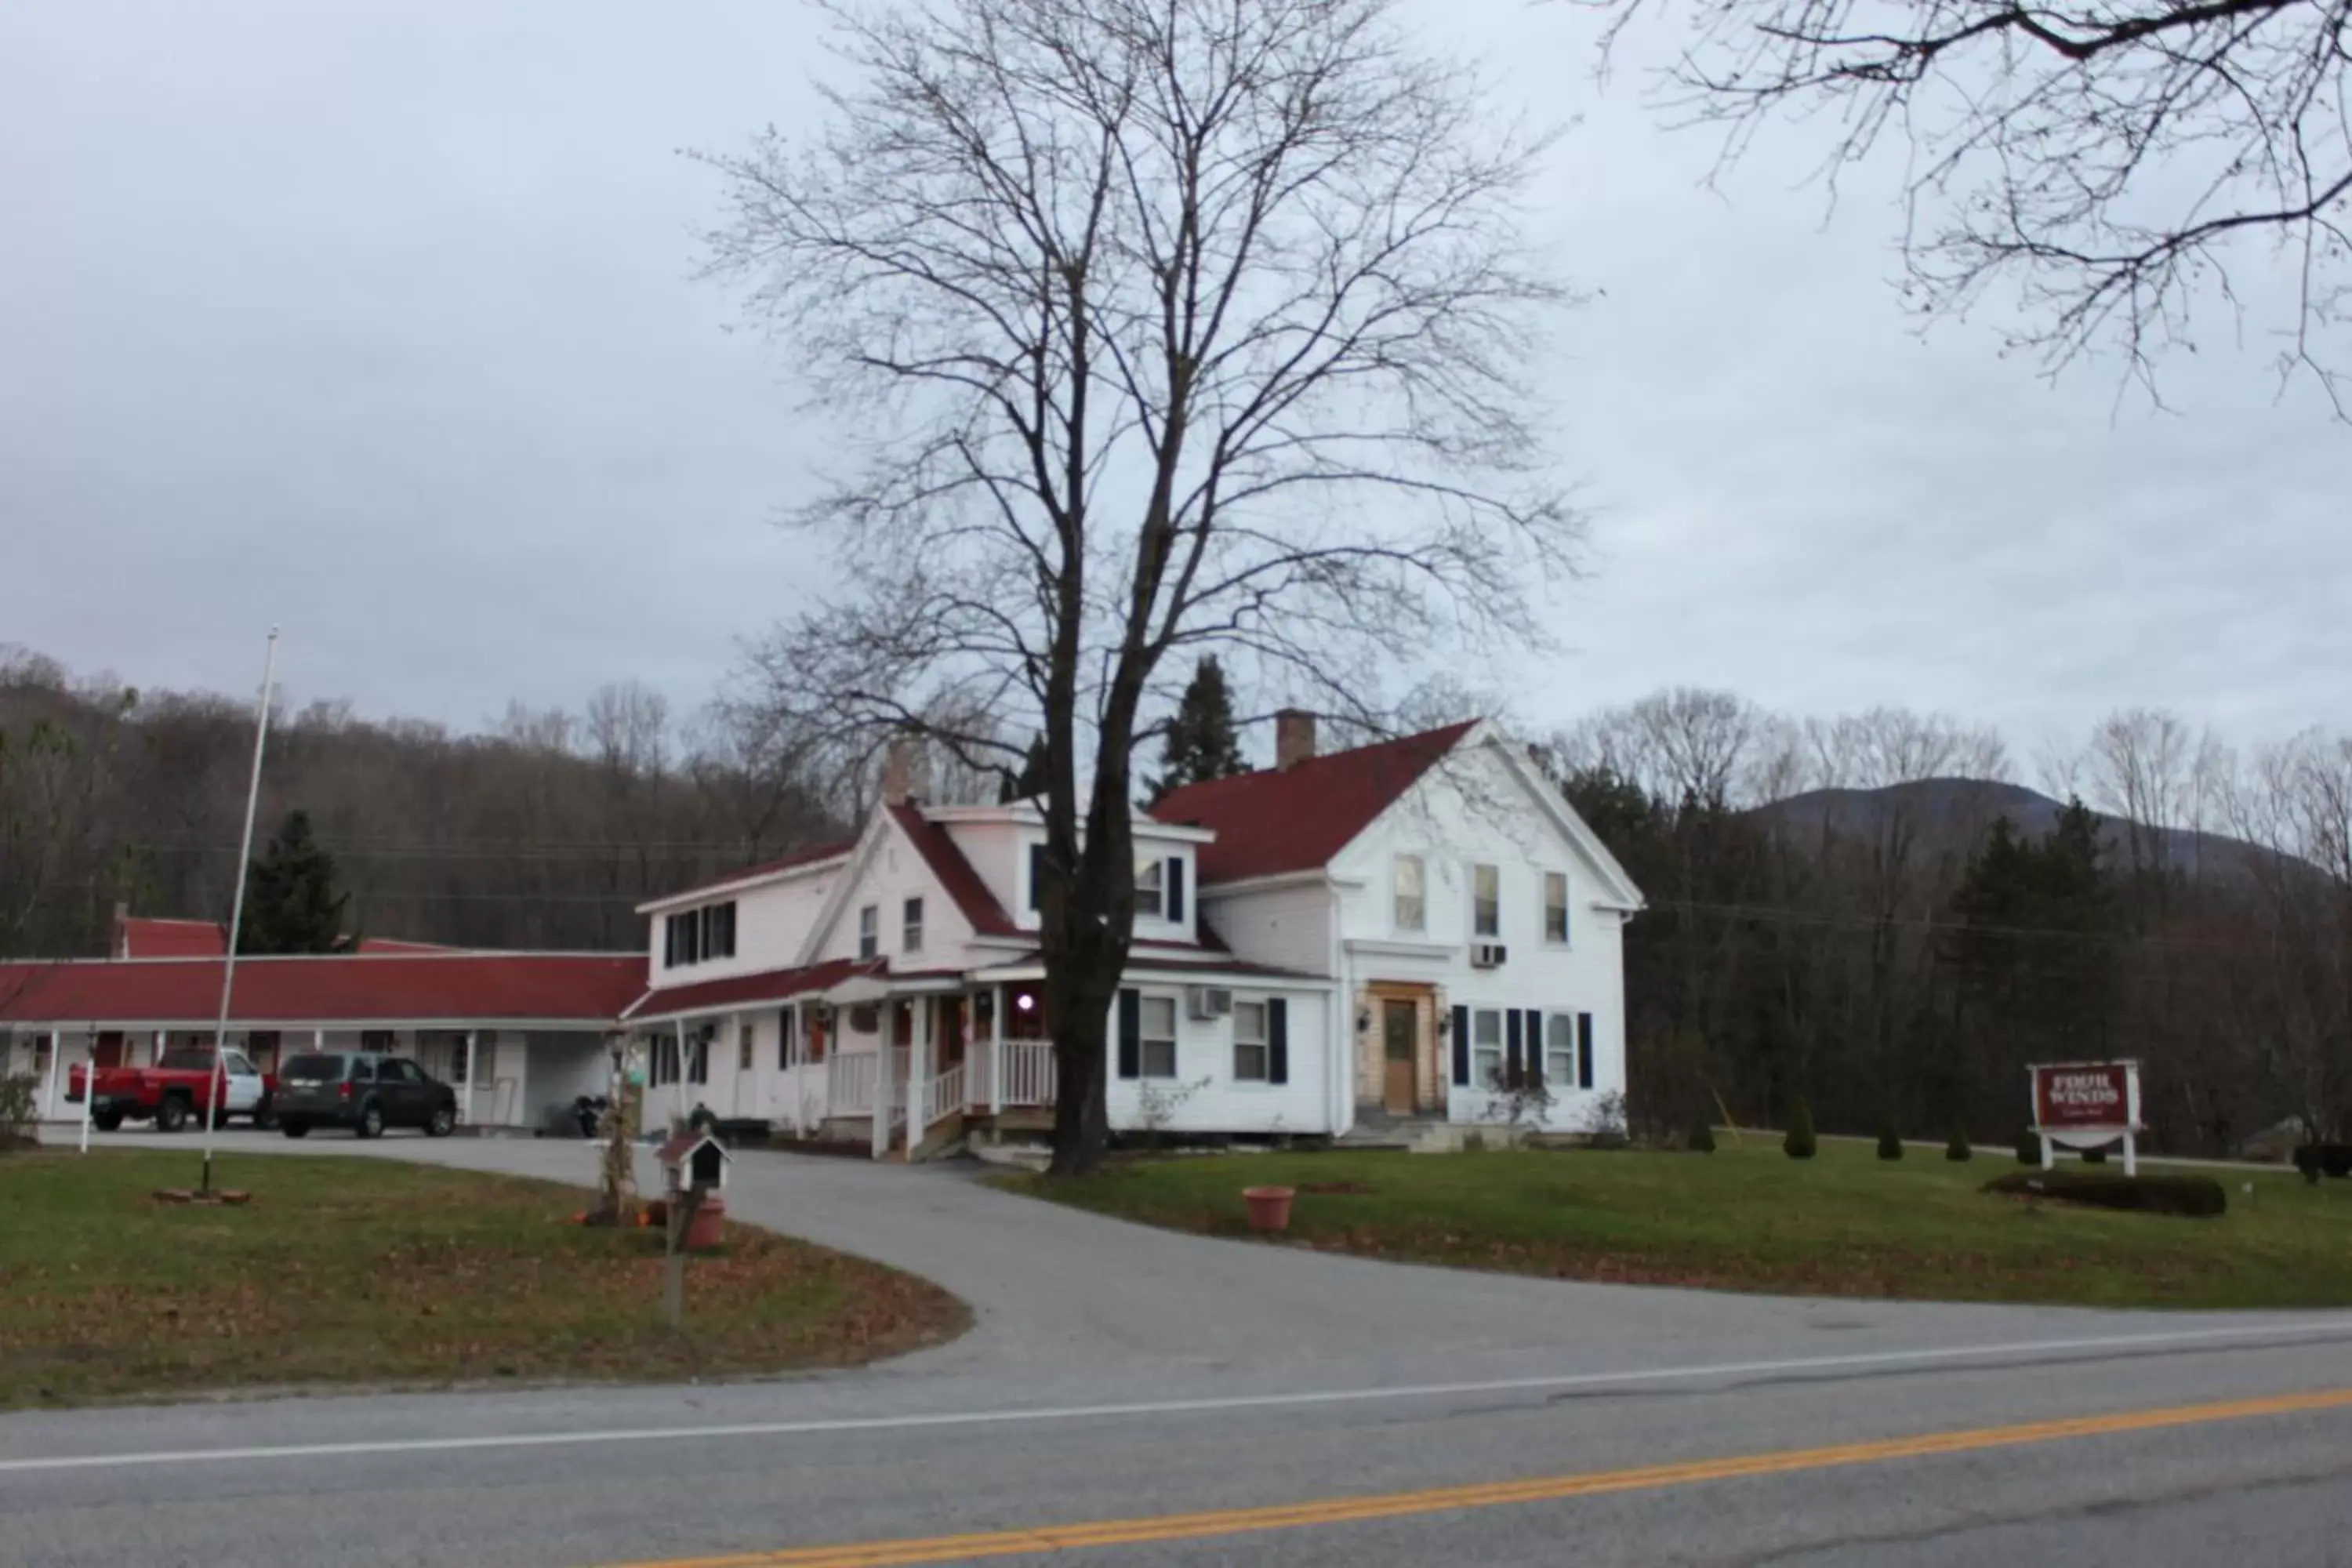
(1955, 813)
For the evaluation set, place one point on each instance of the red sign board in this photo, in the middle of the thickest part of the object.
(2083, 1094)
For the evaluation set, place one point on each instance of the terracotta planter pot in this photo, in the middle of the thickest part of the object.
(1269, 1207)
(708, 1226)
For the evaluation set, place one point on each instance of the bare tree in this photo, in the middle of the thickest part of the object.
(2113, 163)
(1186, 324)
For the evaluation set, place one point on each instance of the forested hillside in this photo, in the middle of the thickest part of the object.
(542, 833)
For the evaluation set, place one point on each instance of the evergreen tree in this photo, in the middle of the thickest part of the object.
(290, 902)
(1800, 1143)
(1030, 780)
(1201, 743)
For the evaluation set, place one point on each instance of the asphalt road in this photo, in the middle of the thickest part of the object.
(1131, 1396)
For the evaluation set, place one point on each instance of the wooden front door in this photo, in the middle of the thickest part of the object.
(1397, 1040)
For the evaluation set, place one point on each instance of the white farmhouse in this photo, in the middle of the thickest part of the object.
(1375, 936)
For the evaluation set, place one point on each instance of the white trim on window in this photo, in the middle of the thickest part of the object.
(1153, 1045)
(869, 932)
(1486, 1047)
(1487, 901)
(1407, 893)
(1554, 913)
(1253, 1041)
(910, 926)
(1151, 890)
(1559, 1047)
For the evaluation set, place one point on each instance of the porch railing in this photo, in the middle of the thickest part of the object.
(1028, 1073)
(945, 1097)
(849, 1084)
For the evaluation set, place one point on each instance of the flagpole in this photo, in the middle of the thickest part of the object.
(237, 911)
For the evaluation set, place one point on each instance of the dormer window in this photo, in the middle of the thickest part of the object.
(693, 936)
(1412, 899)
(1487, 901)
(910, 927)
(1151, 883)
(869, 932)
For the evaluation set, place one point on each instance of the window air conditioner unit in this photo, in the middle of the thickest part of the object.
(1487, 954)
(1211, 1002)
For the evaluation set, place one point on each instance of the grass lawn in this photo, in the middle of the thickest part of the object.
(1843, 1223)
(369, 1272)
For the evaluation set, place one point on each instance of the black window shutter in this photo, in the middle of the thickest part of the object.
(1130, 1034)
(1535, 1048)
(1278, 1039)
(1175, 887)
(1584, 1050)
(1462, 1045)
(1036, 876)
(1511, 1046)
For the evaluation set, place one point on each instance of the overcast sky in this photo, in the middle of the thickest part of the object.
(378, 320)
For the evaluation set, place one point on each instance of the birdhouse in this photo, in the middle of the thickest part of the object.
(693, 1162)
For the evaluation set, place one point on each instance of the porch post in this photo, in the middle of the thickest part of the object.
(919, 1073)
(882, 1093)
(56, 1050)
(684, 1062)
(465, 1089)
(155, 1048)
(996, 1052)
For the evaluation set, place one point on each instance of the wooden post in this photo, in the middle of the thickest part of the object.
(882, 1092)
(57, 1053)
(465, 1089)
(918, 1074)
(996, 1055)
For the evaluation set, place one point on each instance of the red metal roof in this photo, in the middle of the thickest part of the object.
(768, 987)
(955, 873)
(764, 868)
(148, 936)
(586, 989)
(1298, 817)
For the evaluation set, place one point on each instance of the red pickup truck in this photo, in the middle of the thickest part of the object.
(177, 1089)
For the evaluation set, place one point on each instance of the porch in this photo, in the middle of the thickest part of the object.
(866, 1060)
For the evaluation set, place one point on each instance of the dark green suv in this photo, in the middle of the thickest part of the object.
(366, 1091)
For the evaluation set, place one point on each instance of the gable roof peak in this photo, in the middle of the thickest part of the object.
(1298, 817)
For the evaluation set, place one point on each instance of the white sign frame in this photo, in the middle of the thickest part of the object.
(2090, 1137)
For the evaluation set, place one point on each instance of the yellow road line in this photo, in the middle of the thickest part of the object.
(1392, 1505)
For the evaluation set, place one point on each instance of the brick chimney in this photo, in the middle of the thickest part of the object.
(902, 769)
(1294, 737)
(118, 941)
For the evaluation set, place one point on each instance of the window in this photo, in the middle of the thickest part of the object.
(698, 1058)
(1486, 1047)
(1149, 887)
(1559, 1051)
(911, 933)
(664, 1068)
(1411, 902)
(235, 1066)
(1249, 1042)
(681, 940)
(719, 931)
(399, 1070)
(786, 1035)
(743, 1048)
(869, 931)
(459, 1067)
(377, 1040)
(1486, 901)
(1555, 909)
(1159, 1052)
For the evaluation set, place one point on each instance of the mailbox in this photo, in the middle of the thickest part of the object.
(693, 1162)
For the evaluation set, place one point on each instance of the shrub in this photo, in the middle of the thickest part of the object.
(17, 1098)
(1800, 1143)
(2029, 1148)
(1957, 1148)
(2314, 1160)
(1890, 1142)
(2199, 1197)
(2095, 1156)
(1702, 1138)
